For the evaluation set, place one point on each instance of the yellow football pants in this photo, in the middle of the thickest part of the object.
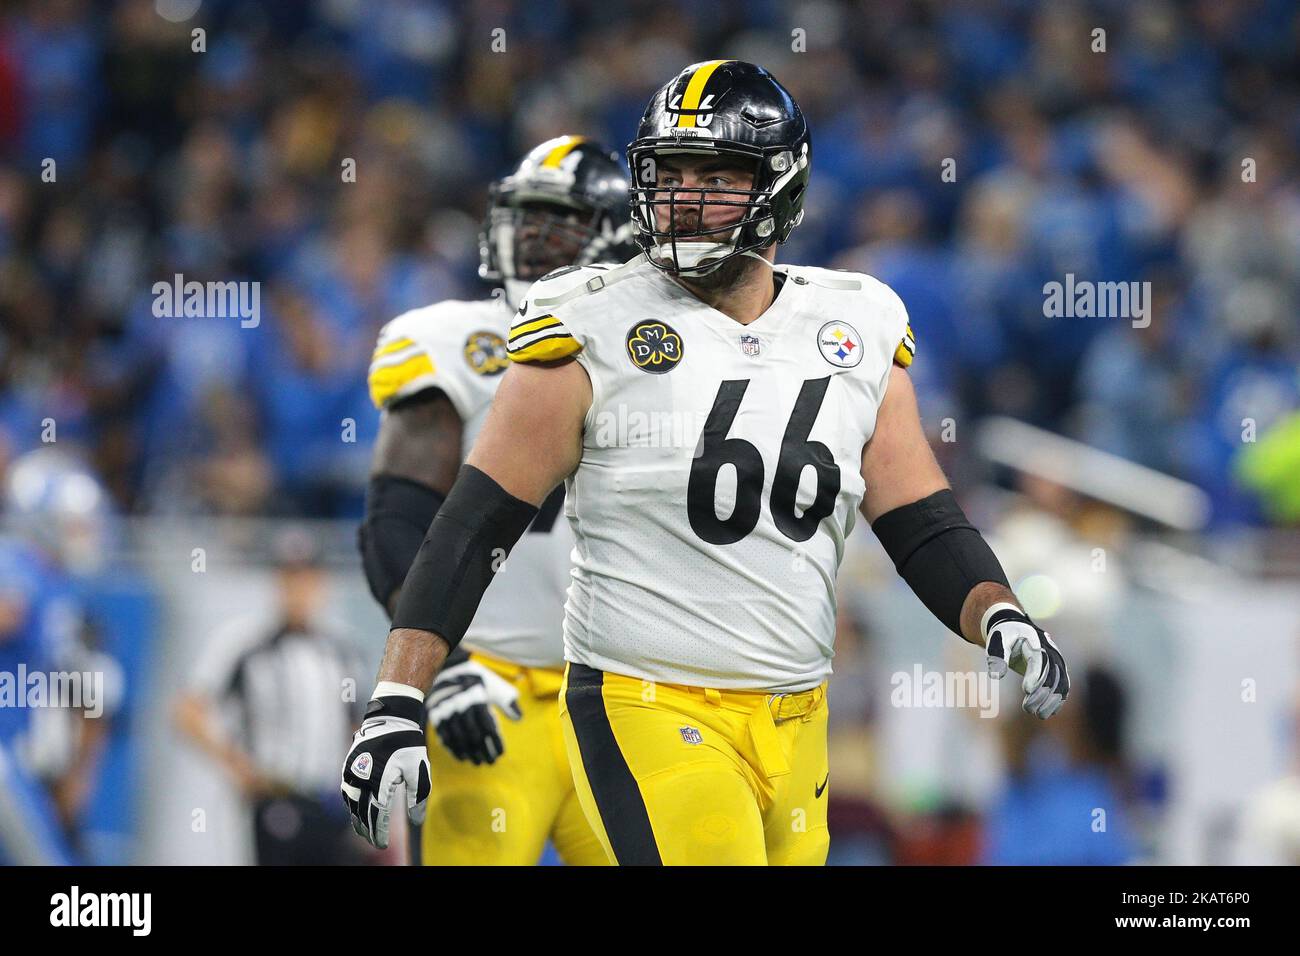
(669, 774)
(502, 813)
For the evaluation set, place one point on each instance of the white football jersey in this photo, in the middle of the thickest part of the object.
(460, 348)
(721, 467)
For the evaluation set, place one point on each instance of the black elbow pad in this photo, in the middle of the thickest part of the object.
(398, 514)
(938, 553)
(469, 540)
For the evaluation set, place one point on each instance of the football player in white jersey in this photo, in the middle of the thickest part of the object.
(499, 789)
(719, 423)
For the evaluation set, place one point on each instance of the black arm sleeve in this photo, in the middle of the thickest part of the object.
(938, 553)
(467, 543)
(398, 513)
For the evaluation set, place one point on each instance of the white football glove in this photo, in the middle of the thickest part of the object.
(460, 709)
(388, 749)
(1012, 640)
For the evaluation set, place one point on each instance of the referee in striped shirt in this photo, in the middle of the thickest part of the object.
(267, 702)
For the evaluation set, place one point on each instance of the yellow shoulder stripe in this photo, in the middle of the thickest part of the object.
(547, 349)
(906, 350)
(392, 347)
(533, 325)
(387, 381)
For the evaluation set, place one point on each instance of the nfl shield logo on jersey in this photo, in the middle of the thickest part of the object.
(748, 343)
(691, 735)
(840, 344)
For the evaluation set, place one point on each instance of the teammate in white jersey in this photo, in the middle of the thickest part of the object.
(500, 790)
(718, 422)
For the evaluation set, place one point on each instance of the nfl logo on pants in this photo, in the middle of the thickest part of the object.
(691, 735)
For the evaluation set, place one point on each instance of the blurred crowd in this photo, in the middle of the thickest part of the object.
(337, 154)
(966, 153)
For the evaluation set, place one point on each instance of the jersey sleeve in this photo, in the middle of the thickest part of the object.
(887, 336)
(549, 327)
(891, 329)
(415, 353)
(542, 338)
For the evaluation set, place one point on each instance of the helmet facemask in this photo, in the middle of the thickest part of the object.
(565, 202)
(525, 238)
(682, 246)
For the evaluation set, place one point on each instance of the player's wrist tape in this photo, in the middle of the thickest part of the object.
(467, 543)
(938, 553)
(398, 514)
(392, 699)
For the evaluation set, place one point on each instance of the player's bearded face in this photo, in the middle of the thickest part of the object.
(547, 237)
(712, 197)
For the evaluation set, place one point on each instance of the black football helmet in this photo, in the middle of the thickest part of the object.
(566, 203)
(719, 108)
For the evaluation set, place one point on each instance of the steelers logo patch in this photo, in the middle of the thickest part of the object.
(485, 353)
(654, 347)
(840, 344)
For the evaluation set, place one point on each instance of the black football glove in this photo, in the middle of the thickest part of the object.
(1012, 640)
(460, 709)
(388, 749)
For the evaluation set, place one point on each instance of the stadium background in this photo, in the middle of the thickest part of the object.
(1169, 158)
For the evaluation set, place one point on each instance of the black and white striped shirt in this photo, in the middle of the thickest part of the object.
(290, 697)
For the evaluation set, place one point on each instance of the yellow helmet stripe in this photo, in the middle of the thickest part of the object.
(695, 92)
(558, 153)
